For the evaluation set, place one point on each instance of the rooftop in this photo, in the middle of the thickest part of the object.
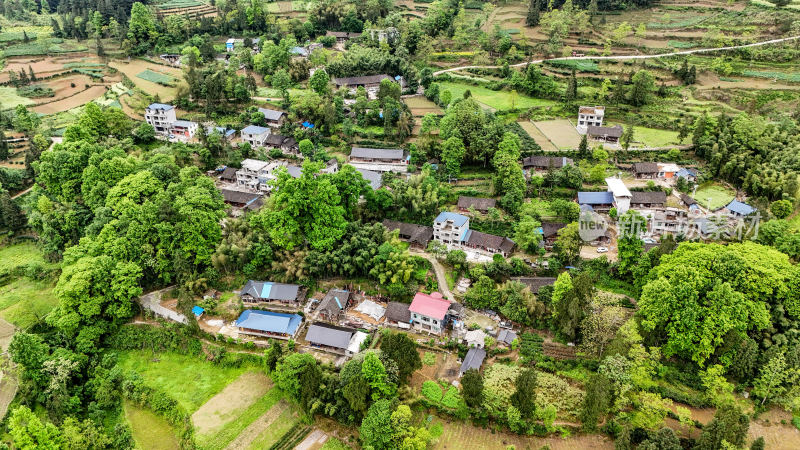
(377, 153)
(740, 208)
(254, 164)
(595, 198)
(160, 106)
(481, 204)
(457, 219)
(489, 241)
(645, 167)
(473, 360)
(615, 131)
(183, 123)
(433, 305)
(506, 336)
(329, 335)
(254, 129)
(269, 321)
(654, 197)
(545, 162)
(334, 302)
(270, 291)
(271, 114)
(535, 283)
(375, 179)
(617, 187)
(358, 81)
(398, 312)
(591, 110)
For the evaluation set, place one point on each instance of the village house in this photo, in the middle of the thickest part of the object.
(417, 235)
(667, 170)
(737, 209)
(228, 175)
(489, 243)
(331, 166)
(335, 339)
(590, 116)
(287, 145)
(273, 117)
(398, 315)
(550, 233)
(255, 135)
(473, 360)
(232, 43)
(450, 228)
(173, 59)
(689, 175)
(610, 135)
(429, 312)
(596, 201)
(670, 221)
(690, 203)
(268, 324)
(479, 204)
(622, 196)
(183, 129)
(648, 200)
(475, 338)
(332, 306)
(645, 170)
(534, 284)
(226, 133)
(541, 163)
(342, 36)
(379, 159)
(239, 199)
(267, 291)
(375, 179)
(383, 34)
(506, 336)
(160, 117)
(370, 83)
(255, 174)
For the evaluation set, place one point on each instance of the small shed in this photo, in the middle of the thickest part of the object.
(506, 336)
(197, 311)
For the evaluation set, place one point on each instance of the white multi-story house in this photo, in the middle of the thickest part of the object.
(161, 117)
(248, 175)
(590, 116)
(183, 129)
(450, 228)
(255, 136)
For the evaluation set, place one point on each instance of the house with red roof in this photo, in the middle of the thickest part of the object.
(428, 312)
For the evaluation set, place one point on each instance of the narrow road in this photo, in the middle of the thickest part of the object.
(624, 57)
(440, 278)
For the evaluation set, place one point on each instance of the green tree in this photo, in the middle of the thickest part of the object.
(570, 307)
(472, 388)
(596, 401)
(482, 294)
(642, 88)
(307, 208)
(28, 432)
(403, 350)
(282, 81)
(568, 243)
(583, 147)
(526, 234)
(319, 82)
(509, 179)
(142, 31)
(627, 137)
(729, 426)
(524, 397)
(453, 152)
(532, 18)
(298, 375)
(779, 208)
(376, 428)
(770, 383)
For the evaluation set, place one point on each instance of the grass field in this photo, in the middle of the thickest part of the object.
(280, 425)
(24, 302)
(156, 77)
(652, 137)
(713, 196)
(499, 100)
(10, 99)
(20, 255)
(150, 431)
(335, 444)
(189, 379)
(250, 424)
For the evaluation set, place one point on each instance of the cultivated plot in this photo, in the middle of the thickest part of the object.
(560, 132)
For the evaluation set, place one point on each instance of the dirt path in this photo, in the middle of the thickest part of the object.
(314, 440)
(624, 57)
(226, 406)
(440, 278)
(21, 193)
(249, 434)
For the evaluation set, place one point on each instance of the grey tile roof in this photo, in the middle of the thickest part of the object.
(329, 335)
(473, 360)
(377, 153)
(334, 302)
(535, 283)
(645, 167)
(480, 204)
(271, 114)
(653, 198)
(268, 290)
(398, 312)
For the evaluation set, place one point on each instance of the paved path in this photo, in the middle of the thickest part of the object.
(624, 57)
(316, 438)
(439, 269)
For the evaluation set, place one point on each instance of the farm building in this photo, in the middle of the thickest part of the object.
(239, 199)
(648, 200)
(228, 175)
(550, 233)
(286, 144)
(397, 314)
(473, 360)
(185, 129)
(334, 338)
(739, 209)
(429, 312)
(535, 283)
(226, 133)
(622, 196)
(342, 36)
(370, 83)
(379, 159)
(417, 235)
(667, 170)
(545, 162)
(268, 324)
(476, 203)
(605, 134)
(331, 307)
(687, 174)
(267, 291)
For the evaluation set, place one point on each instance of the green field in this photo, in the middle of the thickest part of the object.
(189, 379)
(42, 46)
(335, 444)
(149, 430)
(652, 137)
(10, 99)
(156, 77)
(220, 440)
(713, 196)
(499, 100)
(282, 424)
(24, 302)
(20, 255)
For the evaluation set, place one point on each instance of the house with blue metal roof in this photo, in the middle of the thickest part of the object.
(450, 228)
(739, 209)
(267, 291)
(268, 324)
(255, 135)
(597, 201)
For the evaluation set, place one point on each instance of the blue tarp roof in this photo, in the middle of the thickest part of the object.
(595, 198)
(740, 208)
(685, 173)
(269, 321)
(458, 219)
(308, 124)
(198, 311)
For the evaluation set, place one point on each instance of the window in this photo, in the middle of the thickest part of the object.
(435, 322)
